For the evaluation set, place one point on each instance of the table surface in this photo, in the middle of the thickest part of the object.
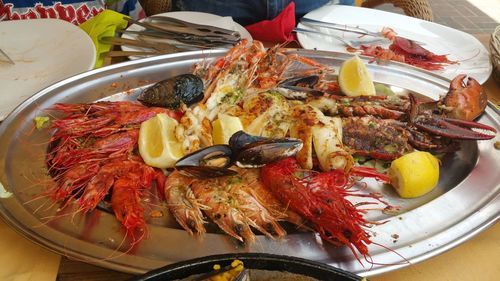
(475, 259)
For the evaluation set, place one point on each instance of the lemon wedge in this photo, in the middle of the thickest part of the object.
(158, 145)
(414, 174)
(224, 127)
(354, 79)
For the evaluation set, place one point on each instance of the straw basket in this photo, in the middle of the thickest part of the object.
(495, 53)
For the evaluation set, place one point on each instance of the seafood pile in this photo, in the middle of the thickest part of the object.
(293, 161)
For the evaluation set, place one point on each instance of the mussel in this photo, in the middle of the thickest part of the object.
(244, 150)
(169, 93)
(254, 151)
(212, 161)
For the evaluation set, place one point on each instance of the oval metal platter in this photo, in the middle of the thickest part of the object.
(465, 202)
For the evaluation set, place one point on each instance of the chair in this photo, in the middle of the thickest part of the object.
(153, 7)
(414, 8)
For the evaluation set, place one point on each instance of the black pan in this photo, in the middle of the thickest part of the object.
(251, 261)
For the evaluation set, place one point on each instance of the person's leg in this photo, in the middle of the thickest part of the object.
(243, 12)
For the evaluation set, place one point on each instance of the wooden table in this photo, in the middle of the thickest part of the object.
(476, 259)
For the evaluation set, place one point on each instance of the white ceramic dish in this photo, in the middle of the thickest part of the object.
(44, 51)
(194, 17)
(459, 46)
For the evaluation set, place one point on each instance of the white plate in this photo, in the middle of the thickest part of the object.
(194, 17)
(44, 51)
(459, 46)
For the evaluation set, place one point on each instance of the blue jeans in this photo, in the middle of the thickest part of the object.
(246, 12)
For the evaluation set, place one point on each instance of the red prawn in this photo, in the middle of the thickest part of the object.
(73, 151)
(127, 193)
(103, 118)
(93, 154)
(321, 199)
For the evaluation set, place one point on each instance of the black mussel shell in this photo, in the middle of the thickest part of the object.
(190, 88)
(218, 156)
(240, 139)
(169, 93)
(261, 153)
(212, 161)
(205, 172)
(161, 94)
(254, 151)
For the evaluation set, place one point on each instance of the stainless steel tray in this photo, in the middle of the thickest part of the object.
(465, 202)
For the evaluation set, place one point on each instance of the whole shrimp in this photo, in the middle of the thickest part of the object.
(183, 205)
(256, 211)
(223, 208)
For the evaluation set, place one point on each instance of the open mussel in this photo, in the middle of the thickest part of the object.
(253, 151)
(245, 150)
(212, 161)
(169, 93)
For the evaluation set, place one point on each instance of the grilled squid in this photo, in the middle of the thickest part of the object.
(324, 134)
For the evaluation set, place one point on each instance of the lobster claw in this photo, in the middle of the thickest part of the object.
(453, 128)
(465, 100)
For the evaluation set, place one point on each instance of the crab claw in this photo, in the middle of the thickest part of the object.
(465, 101)
(453, 128)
